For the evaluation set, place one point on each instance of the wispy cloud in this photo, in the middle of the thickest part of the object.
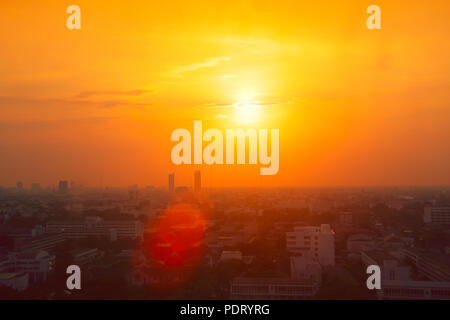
(225, 105)
(208, 63)
(221, 116)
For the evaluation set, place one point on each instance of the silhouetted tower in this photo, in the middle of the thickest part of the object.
(197, 181)
(172, 182)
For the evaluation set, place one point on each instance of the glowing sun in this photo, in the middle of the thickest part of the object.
(247, 112)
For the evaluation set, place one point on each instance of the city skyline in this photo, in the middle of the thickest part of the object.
(267, 244)
(191, 183)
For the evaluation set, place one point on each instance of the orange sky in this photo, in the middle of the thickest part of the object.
(98, 105)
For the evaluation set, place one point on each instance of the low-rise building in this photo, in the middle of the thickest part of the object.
(411, 290)
(97, 228)
(15, 280)
(40, 242)
(272, 289)
(397, 281)
(84, 256)
(37, 264)
(434, 265)
(391, 267)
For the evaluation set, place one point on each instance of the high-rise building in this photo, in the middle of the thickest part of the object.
(172, 182)
(63, 186)
(197, 181)
(19, 185)
(317, 242)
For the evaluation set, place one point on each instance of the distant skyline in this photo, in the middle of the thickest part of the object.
(355, 107)
(191, 184)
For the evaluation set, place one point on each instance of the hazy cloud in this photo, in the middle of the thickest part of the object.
(53, 124)
(87, 94)
(24, 101)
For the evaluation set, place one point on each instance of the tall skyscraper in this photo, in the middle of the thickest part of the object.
(63, 186)
(20, 185)
(197, 181)
(172, 182)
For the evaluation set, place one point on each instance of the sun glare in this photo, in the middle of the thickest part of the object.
(247, 112)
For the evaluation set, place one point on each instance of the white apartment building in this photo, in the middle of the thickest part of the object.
(436, 215)
(317, 241)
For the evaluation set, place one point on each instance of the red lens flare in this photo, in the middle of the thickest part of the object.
(175, 250)
(178, 241)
